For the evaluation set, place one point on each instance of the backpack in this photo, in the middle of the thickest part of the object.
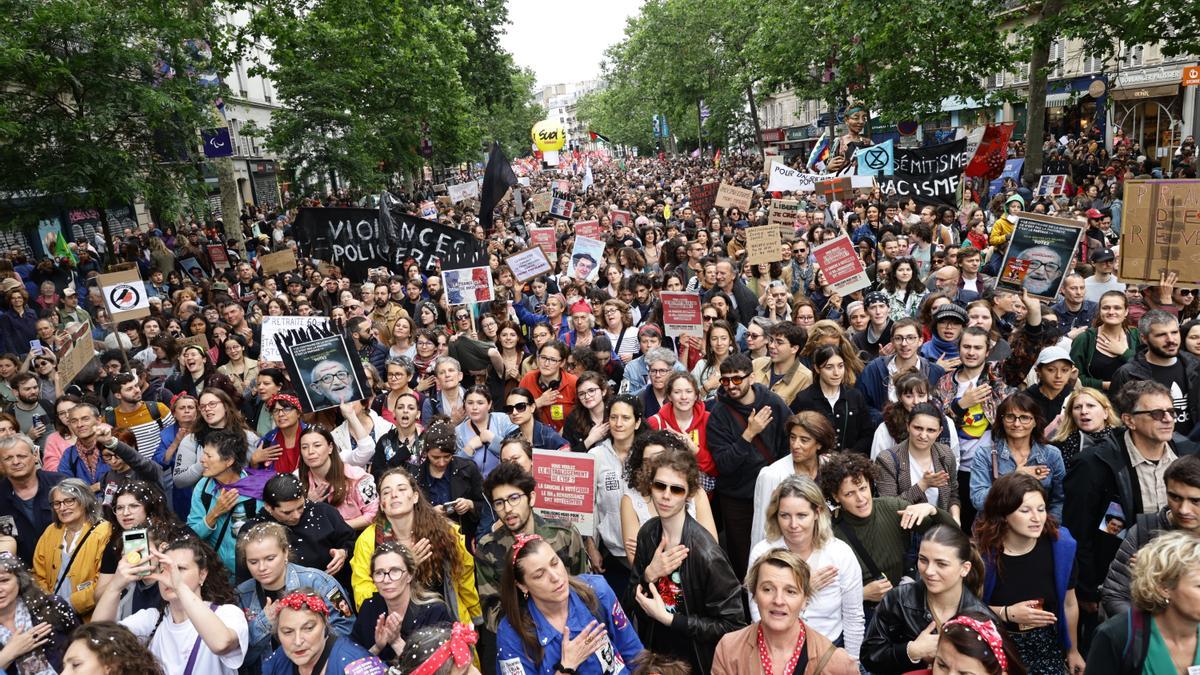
(110, 415)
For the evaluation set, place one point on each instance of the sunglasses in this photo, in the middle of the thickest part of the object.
(677, 490)
(511, 408)
(1164, 415)
(735, 380)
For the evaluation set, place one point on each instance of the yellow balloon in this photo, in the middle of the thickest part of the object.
(549, 136)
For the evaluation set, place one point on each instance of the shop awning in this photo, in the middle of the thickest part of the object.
(1058, 100)
(1145, 92)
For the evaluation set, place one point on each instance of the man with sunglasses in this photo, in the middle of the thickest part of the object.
(1164, 362)
(745, 434)
(1124, 476)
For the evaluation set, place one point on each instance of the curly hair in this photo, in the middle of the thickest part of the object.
(678, 460)
(839, 466)
(427, 523)
(1160, 566)
(151, 498)
(116, 648)
(1005, 497)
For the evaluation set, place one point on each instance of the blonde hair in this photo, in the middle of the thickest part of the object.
(807, 489)
(782, 559)
(1159, 567)
(262, 532)
(1068, 428)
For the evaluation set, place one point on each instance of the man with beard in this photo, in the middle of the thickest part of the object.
(370, 350)
(31, 411)
(1166, 364)
(332, 384)
(1043, 266)
(145, 419)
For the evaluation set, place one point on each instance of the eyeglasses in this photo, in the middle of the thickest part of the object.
(511, 408)
(211, 405)
(393, 574)
(903, 339)
(677, 490)
(735, 380)
(424, 343)
(395, 376)
(509, 502)
(341, 376)
(659, 371)
(462, 317)
(593, 391)
(1051, 267)
(1162, 415)
(282, 409)
(1021, 419)
(549, 359)
(127, 508)
(59, 503)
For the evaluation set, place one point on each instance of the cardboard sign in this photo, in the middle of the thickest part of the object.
(192, 269)
(544, 238)
(732, 197)
(783, 212)
(219, 256)
(527, 264)
(1039, 255)
(620, 218)
(1160, 232)
(200, 341)
(79, 349)
(702, 198)
(763, 245)
(785, 179)
(1051, 186)
(468, 286)
(681, 313)
(589, 228)
(124, 294)
(843, 267)
(463, 191)
(428, 209)
(540, 202)
(274, 325)
(278, 262)
(567, 488)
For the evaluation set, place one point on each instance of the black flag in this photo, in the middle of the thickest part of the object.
(498, 177)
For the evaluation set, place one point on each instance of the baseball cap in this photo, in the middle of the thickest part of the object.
(1104, 255)
(68, 291)
(1052, 354)
(1094, 214)
(950, 312)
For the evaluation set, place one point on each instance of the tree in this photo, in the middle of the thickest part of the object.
(102, 102)
(510, 118)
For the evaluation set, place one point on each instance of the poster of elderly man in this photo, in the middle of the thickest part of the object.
(327, 372)
(1039, 255)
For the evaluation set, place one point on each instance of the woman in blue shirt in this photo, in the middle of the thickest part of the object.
(1019, 444)
(558, 624)
(480, 434)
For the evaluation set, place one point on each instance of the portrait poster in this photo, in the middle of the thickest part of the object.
(1039, 255)
(843, 268)
(566, 488)
(528, 264)
(326, 372)
(585, 259)
(468, 286)
(620, 218)
(192, 269)
(124, 294)
(274, 325)
(681, 313)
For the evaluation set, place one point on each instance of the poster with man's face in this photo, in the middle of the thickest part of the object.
(328, 372)
(1039, 255)
(586, 257)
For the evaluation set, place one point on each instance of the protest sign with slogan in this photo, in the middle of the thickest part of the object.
(527, 264)
(78, 350)
(468, 285)
(463, 191)
(124, 294)
(219, 256)
(325, 368)
(733, 197)
(566, 488)
(783, 212)
(620, 218)
(279, 261)
(763, 245)
(540, 202)
(681, 313)
(563, 209)
(843, 268)
(1051, 185)
(1039, 255)
(1160, 232)
(192, 269)
(930, 175)
(589, 228)
(702, 197)
(785, 179)
(275, 325)
(545, 239)
(428, 209)
(200, 341)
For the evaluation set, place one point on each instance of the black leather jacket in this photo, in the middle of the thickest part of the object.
(899, 618)
(712, 598)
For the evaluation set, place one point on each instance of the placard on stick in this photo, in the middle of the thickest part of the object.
(278, 262)
(730, 196)
(783, 212)
(702, 197)
(589, 228)
(544, 238)
(219, 256)
(1160, 232)
(124, 294)
(566, 488)
(1039, 255)
(763, 245)
(78, 351)
(528, 264)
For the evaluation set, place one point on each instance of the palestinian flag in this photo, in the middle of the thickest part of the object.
(599, 137)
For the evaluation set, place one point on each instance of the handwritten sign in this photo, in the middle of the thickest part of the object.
(783, 212)
(702, 198)
(79, 349)
(566, 488)
(540, 202)
(681, 313)
(732, 197)
(763, 245)
(1160, 231)
(785, 179)
(842, 266)
(275, 325)
(463, 191)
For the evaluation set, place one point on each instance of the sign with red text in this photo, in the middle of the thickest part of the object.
(545, 239)
(592, 229)
(842, 266)
(566, 488)
(681, 314)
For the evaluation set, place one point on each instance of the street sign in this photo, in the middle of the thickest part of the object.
(1191, 76)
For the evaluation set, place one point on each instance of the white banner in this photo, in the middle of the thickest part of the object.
(785, 179)
(463, 191)
(273, 325)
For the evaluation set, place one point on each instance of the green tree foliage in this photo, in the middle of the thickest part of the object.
(510, 119)
(87, 117)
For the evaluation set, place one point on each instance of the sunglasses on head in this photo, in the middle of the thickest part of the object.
(677, 490)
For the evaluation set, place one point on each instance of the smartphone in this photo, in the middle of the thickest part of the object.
(448, 507)
(135, 546)
(39, 420)
(35, 347)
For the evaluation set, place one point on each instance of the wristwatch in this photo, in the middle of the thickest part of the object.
(560, 668)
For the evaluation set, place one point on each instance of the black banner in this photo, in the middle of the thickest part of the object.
(930, 175)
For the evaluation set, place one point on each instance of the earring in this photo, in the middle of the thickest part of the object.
(525, 594)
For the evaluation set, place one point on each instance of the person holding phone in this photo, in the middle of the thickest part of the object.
(453, 482)
(137, 508)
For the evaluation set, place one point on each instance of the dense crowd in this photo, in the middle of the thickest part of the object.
(928, 473)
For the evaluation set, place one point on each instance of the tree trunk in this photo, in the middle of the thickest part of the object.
(1035, 109)
(231, 204)
(758, 142)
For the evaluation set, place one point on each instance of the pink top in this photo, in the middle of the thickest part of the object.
(53, 451)
(361, 498)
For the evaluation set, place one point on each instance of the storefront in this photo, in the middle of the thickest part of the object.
(1149, 107)
(1076, 106)
(264, 182)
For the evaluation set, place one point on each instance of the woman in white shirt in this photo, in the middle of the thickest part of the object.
(810, 438)
(201, 629)
(911, 388)
(798, 520)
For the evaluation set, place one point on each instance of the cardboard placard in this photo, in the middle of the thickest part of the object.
(544, 238)
(783, 212)
(1039, 255)
(79, 349)
(763, 245)
(589, 228)
(468, 286)
(681, 313)
(278, 262)
(563, 209)
(733, 197)
(219, 256)
(566, 488)
(540, 202)
(839, 189)
(702, 198)
(1160, 232)
(192, 269)
(274, 325)
(528, 264)
(124, 294)
(843, 268)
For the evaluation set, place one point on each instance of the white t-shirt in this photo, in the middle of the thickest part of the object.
(172, 643)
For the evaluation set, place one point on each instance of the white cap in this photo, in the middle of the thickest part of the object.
(1052, 354)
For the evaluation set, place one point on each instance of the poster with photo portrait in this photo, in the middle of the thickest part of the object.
(326, 371)
(1039, 255)
(586, 258)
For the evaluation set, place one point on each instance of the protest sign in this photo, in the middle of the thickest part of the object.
(326, 372)
(560, 208)
(192, 269)
(930, 175)
(527, 264)
(444, 201)
(540, 202)
(988, 159)
(200, 341)
(620, 218)
(428, 209)
(842, 266)
(280, 261)
(567, 488)
(783, 212)
(702, 197)
(78, 350)
(562, 186)
(763, 245)
(733, 197)
(1160, 232)
(589, 228)
(545, 239)
(1051, 186)
(219, 256)
(681, 313)
(840, 189)
(876, 160)
(785, 179)
(124, 294)
(463, 191)
(585, 259)
(275, 325)
(1039, 255)
(1012, 170)
(468, 286)
(931, 160)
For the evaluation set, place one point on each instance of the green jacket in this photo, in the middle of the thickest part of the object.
(492, 553)
(1083, 349)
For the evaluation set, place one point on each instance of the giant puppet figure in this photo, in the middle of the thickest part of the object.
(841, 152)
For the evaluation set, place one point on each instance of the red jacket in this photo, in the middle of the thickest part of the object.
(698, 430)
(555, 415)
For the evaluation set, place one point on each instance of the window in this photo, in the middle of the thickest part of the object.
(1058, 54)
(1132, 55)
(1021, 76)
(1092, 63)
(995, 81)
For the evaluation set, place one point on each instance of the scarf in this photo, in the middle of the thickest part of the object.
(936, 348)
(34, 662)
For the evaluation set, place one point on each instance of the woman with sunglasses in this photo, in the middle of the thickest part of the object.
(399, 607)
(636, 508)
(520, 409)
(480, 433)
(463, 322)
(1019, 445)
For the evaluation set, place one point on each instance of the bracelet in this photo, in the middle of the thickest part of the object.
(1006, 614)
(560, 668)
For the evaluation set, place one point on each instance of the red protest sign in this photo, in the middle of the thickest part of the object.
(592, 229)
(681, 313)
(842, 266)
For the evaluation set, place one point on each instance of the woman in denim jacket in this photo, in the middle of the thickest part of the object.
(1019, 444)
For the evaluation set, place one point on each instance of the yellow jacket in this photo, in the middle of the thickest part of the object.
(792, 383)
(1002, 229)
(466, 596)
(85, 568)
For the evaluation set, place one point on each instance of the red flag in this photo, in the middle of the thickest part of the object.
(989, 159)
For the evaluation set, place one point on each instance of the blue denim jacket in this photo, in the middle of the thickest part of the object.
(1039, 455)
(341, 613)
